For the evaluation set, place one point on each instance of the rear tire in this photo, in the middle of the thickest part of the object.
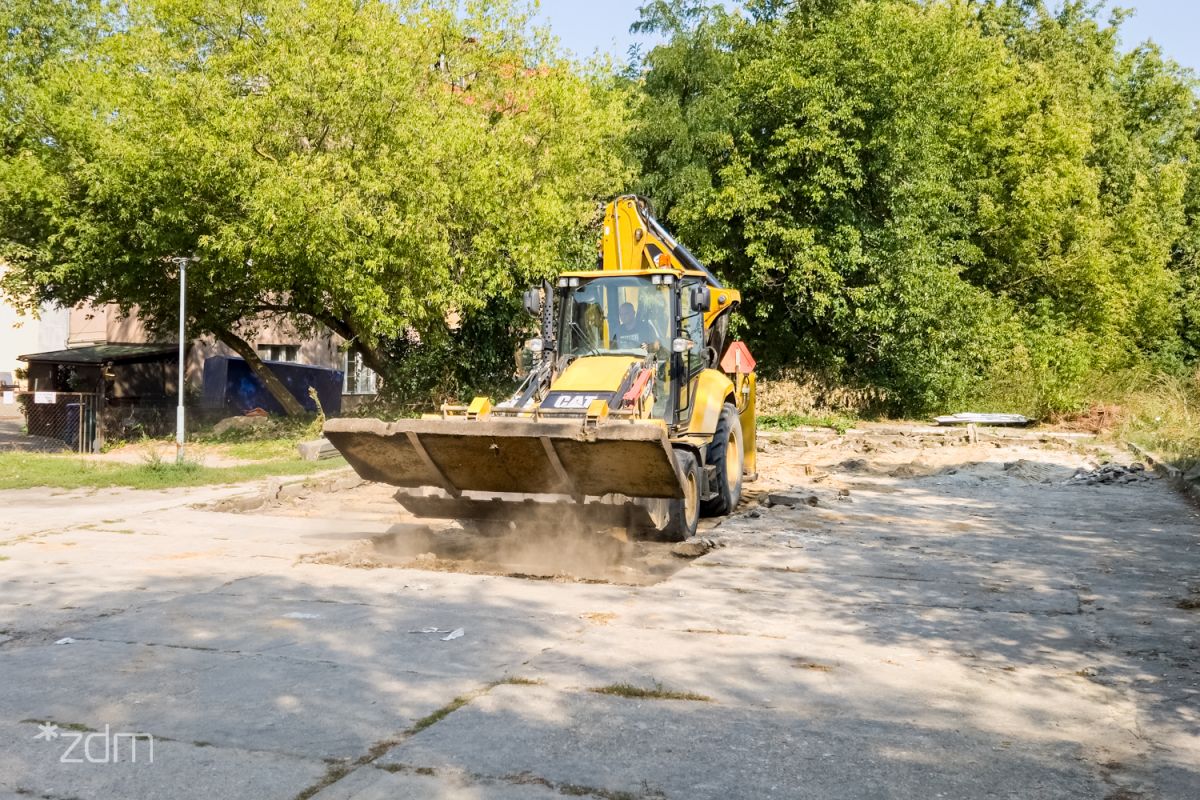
(685, 512)
(726, 455)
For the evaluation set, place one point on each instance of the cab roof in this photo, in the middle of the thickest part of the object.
(617, 273)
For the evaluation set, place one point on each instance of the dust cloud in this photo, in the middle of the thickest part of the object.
(557, 543)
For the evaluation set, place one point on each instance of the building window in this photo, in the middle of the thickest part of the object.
(279, 352)
(359, 379)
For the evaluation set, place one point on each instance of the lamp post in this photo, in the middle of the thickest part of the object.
(181, 378)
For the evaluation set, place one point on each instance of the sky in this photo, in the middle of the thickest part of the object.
(585, 26)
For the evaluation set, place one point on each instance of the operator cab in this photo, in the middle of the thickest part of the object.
(616, 315)
(657, 315)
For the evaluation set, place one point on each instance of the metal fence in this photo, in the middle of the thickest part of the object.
(57, 421)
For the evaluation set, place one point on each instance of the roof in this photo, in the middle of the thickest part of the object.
(618, 273)
(103, 354)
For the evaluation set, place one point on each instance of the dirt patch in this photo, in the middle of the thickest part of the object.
(1034, 471)
(521, 551)
(914, 469)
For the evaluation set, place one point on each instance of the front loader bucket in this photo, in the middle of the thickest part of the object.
(511, 455)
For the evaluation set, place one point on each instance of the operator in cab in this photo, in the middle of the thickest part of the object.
(631, 333)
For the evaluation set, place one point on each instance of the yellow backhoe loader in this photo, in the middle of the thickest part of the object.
(636, 407)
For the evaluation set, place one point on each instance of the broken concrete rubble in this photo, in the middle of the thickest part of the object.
(1112, 474)
(790, 500)
(693, 548)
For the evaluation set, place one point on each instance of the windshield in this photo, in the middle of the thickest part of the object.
(615, 315)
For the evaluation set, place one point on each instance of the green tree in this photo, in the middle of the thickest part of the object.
(948, 200)
(375, 168)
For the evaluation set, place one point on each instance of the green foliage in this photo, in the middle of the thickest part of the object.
(274, 438)
(958, 203)
(373, 167)
(154, 463)
(474, 358)
(1160, 412)
(948, 203)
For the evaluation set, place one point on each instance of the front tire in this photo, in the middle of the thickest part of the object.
(684, 515)
(727, 456)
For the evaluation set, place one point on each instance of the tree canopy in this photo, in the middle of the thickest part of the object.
(374, 167)
(948, 201)
(953, 201)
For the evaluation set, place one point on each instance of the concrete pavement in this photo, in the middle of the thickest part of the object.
(940, 624)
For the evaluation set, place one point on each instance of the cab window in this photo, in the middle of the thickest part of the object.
(628, 314)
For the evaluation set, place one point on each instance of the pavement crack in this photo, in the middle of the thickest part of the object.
(221, 651)
(22, 791)
(340, 769)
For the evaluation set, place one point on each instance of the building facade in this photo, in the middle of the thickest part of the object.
(275, 339)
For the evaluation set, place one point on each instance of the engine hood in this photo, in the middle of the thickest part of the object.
(592, 378)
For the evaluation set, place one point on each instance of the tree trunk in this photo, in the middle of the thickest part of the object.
(372, 357)
(291, 406)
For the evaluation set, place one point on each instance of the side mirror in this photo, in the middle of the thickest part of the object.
(701, 298)
(532, 300)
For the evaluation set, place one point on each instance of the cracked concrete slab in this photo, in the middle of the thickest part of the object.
(31, 767)
(951, 626)
(409, 630)
(419, 783)
(705, 750)
(831, 677)
(320, 709)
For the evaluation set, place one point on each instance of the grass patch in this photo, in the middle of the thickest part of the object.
(262, 449)
(271, 428)
(788, 422)
(154, 462)
(517, 681)
(462, 700)
(274, 439)
(656, 693)
(1163, 416)
(333, 774)
(443, 712)
(27, 470)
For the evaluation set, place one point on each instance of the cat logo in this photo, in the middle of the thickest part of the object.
(579, 401)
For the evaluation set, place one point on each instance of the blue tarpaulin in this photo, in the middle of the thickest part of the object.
(230, 386)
